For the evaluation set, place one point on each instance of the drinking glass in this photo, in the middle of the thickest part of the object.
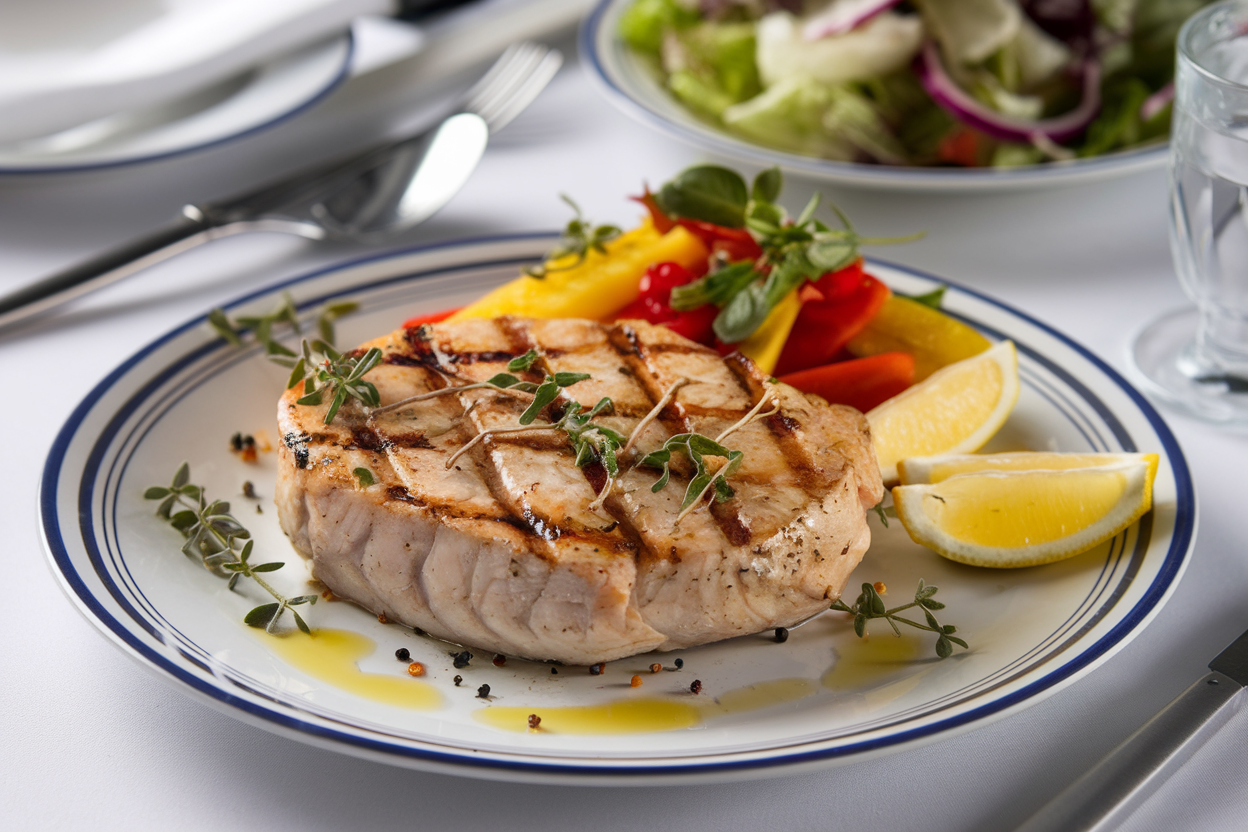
(1198, 358)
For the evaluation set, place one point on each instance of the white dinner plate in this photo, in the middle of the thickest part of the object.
(635, 88)
(765, 708)
(255, 101)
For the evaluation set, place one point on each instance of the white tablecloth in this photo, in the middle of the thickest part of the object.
(92, 741)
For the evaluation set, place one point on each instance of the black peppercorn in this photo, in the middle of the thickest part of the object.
(461, 659)
(554, 671)
(596, 669)
(679, 663)
(782, 635)
(403, 654)
(457, 680)
(483, 692)
(499, 660)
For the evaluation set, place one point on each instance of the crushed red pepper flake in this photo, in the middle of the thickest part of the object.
(416, 669)
(535, 722)
(635, 682)
(656, 667)
(696, 687)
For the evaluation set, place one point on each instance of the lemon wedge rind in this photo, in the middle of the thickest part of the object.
(955, 410)
(1011, 519)
(926, 469)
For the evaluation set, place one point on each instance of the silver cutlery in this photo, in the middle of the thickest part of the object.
(365, 197)
(1101, 799)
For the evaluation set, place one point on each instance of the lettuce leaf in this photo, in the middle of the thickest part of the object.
(712, 66)
(643, 23)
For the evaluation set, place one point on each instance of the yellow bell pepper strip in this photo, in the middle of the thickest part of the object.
(767, 342)
(934, 339)
(596, 288)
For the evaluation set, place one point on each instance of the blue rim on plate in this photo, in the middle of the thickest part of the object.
(629, 86)
(68, 492)
(288, 111)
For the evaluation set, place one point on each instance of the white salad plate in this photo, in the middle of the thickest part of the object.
(636, 89)
(252, 101)
(765, 708)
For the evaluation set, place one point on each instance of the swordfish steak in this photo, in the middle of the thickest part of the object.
(503, 549)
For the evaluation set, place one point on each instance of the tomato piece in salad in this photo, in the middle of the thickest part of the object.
(835, 308)
(654, 304)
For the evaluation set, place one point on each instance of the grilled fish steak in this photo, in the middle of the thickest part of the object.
(502, 550)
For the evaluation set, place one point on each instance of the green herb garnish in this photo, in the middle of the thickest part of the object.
(285, 313)
(698, 448)
(580, 237)
(222, 544)
(324, 371)
(364, 477)
(793, 250)
(870, 605)
(933, 299)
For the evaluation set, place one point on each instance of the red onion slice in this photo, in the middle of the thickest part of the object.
(844, 16)
(945, 92)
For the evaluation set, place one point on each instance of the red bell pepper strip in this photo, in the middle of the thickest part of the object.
(662, 222)
(863, 383)
(835, 308)
(431, 318)
(734, 243)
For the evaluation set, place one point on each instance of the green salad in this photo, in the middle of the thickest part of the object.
(973, 83)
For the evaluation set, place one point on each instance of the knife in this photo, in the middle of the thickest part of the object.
(1117, 785)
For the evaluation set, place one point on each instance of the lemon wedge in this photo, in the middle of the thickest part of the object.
(1009, 519)
(926, 469)
(955, 410)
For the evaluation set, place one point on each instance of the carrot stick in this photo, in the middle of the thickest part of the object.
(861, 382)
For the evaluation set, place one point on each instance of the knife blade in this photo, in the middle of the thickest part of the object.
(1103, 797)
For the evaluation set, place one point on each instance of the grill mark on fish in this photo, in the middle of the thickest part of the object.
(408, 441)
(364, 438)
(784, 428)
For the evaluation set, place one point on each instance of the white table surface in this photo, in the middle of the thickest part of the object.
(92, 741)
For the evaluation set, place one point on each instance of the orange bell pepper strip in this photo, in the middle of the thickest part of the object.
(863, 383)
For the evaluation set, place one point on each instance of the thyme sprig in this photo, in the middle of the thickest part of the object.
(222, 545)
(870, 606)
(324, 371)
(580, 237)
(698, 448)
(284, 314)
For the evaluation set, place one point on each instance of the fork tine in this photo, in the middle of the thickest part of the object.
(525, 92)
(497, 75)
(512, 83)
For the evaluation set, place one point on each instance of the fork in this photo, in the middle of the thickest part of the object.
(363, 197)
